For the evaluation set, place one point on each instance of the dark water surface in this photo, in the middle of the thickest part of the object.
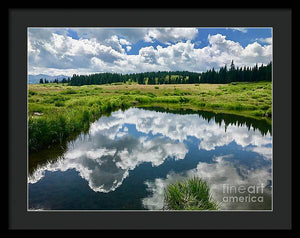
(127, 159)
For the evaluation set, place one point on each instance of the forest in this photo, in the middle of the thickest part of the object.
(222, 76)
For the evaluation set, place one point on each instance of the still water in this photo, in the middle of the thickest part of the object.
(127, 159)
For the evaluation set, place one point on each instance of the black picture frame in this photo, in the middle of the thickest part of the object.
(281, 22)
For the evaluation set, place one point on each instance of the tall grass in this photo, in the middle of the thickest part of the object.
(57, 127)
(191, 194)
(66, 110)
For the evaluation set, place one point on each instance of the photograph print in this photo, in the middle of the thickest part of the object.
(149, 119)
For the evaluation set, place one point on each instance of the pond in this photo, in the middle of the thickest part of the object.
(127, 159)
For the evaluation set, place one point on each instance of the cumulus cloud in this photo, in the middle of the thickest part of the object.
(130, 35)
(105, 50)
(267, 40)
(169, 35)
(64, 52)
(124, 42)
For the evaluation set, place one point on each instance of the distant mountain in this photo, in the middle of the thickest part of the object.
(33, 79)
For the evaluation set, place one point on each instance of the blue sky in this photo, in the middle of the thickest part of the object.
(55, 51)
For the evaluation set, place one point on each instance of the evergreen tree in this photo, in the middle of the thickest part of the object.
(234, 74)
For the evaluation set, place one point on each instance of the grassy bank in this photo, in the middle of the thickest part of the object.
(57, 112)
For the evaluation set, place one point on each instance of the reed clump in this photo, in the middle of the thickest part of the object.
(190, 194)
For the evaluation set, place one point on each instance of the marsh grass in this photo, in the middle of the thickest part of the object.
(70, 109)
(190, 194)
(60, 122)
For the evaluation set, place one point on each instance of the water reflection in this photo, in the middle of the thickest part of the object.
(120, 143)
(104, 158)
(225, 177)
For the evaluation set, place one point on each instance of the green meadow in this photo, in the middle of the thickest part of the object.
(58, 112)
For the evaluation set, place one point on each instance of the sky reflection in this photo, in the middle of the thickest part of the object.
(123, 141)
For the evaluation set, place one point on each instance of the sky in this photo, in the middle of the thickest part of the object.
(68, 51)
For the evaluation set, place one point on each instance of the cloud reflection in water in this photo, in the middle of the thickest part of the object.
(119, 143)
(221, 172)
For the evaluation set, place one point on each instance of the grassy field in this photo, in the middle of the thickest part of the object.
(57, 112)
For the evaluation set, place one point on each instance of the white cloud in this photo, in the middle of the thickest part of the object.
(241, 29)
(103, 50)
(267, 40)
(55, 71)
(131, 35)
(128, 48)
(169, 35)
(184, 56)
(64, 53)
(124, 42)
(114, 43)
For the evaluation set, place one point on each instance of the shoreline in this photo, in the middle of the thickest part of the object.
(55, 112)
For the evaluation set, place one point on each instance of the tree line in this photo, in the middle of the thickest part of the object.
(221, 76)
(64, 80)
(238, 74)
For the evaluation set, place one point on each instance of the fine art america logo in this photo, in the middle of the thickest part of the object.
(243, 193)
